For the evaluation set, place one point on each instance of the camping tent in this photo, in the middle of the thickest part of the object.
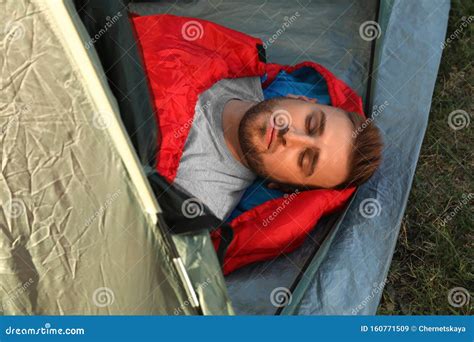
(88, 227)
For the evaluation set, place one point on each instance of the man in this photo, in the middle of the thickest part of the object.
(290, 141)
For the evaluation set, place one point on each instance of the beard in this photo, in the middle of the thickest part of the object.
(252, 129)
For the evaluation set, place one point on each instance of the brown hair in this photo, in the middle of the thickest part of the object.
(366, 151)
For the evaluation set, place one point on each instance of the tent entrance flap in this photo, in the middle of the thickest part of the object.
(82, 238)
(127, 80)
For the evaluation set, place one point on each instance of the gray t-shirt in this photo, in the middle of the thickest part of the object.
(207, 170)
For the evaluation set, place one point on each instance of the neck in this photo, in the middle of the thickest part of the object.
(234, 111)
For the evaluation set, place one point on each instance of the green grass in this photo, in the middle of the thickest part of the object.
(430, 259)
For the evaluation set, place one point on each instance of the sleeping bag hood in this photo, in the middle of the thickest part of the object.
(184, 57)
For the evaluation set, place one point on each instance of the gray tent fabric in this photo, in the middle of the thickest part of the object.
(74, 231)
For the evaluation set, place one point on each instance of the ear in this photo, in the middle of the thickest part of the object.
(301, 97)
(282, 187)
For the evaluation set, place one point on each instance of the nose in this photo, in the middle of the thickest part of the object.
(294, 138)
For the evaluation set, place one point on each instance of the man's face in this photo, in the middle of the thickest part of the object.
(299, 142)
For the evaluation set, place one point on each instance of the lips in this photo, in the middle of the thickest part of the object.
(269, 136)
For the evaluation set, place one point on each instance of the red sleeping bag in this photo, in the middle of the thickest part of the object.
(184, 57)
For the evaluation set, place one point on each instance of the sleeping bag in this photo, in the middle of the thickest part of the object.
(184, 57)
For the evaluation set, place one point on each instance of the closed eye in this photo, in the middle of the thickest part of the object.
(310, 123)
(315, 124)
(307, 160)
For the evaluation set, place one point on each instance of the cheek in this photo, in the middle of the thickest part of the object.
(280, 167)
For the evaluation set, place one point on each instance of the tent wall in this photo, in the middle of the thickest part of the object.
(78, 222)
(292, 31)
(120, 59)
(349, 277)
